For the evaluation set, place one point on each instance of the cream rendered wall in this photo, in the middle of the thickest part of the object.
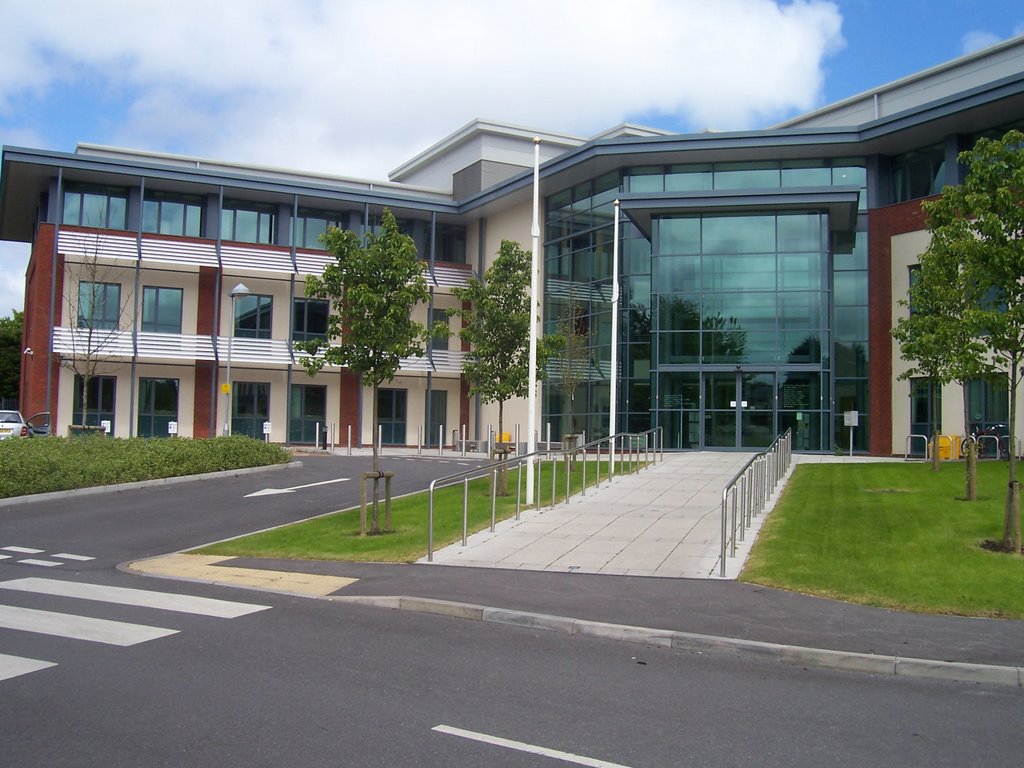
(278, 380)
(415, 386)
(264, 286)
(512, 224)
(186, 393)
(906, 251)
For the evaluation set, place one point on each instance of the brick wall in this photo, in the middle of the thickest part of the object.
(39, 286)
(883, 224)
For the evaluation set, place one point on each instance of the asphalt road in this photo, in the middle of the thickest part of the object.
(308, 682)
(112, 528)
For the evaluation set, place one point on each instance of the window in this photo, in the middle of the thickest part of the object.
(161, 309)
(172, 215)
(253, 316)
(250, 407)
(308, 409)
(99, 305)
(248, 223)
(310, 226)
(923, 409)
(309, 319)
(158, 406)
(99, 207)
(439, 316)
(100, 397)
(450, 243)
(918, 174)
(391, 411)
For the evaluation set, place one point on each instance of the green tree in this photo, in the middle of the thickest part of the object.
(936, 339)
(496, 324)
(373, 286)
(981, 223)
(10, 355)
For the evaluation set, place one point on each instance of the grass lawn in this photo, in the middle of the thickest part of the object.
(336, 536)
(895, 535)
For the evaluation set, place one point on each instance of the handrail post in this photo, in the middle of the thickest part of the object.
(430, 525)
(494, 495)
(583, 489)
(465, 510)
(725, 500)
(519, 489)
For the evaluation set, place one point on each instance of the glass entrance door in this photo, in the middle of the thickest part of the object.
(739, 409)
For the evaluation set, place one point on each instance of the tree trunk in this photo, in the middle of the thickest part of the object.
(1011, 519)
(500, 475)
(972, 470)
(375, 520)
(935, 450)
(971, 463)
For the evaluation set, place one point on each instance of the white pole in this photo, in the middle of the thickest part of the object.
(614, 375)
(531, 410)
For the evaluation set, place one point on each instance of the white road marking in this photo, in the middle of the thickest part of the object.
(44, 563)
(294, 488)
(521, 746)
(69, 556)
(23, 550)
(164, 601)
(12, 666)
(5, 557)
(79, 627)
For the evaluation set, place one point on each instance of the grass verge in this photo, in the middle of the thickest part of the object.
(336, 536)
(43, 465)
(892, 535)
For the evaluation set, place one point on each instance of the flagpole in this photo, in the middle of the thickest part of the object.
(614, 382)
(531, 407)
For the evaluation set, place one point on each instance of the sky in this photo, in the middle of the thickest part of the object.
(357, 87)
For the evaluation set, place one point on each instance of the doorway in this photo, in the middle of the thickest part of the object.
(739, 409)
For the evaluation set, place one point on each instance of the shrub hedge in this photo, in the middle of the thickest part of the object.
(42, 465)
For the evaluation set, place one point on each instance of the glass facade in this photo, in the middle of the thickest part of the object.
(734, 325)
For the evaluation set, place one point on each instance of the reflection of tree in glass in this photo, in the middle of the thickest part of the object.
(724, 338)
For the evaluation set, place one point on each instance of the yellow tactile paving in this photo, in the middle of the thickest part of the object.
(209, 568)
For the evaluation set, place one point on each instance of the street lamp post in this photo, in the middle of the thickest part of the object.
(237, 292)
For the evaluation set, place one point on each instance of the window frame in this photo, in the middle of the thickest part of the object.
(153, 325)
(107, 321)
(263, 313)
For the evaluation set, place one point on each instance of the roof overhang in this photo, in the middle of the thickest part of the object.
(840, 203)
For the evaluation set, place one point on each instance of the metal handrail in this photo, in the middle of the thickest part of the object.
(750, 489)
(618, 445)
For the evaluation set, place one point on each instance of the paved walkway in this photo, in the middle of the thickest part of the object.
(662, 521)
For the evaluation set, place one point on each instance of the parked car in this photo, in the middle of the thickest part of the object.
(13, 424)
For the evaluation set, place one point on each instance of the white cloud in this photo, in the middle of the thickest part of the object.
(13, 262)
(977, 39)
(358, 87)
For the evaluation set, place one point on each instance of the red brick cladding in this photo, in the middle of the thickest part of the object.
(36, 328)
(349, 408)
(205, 395)
(883, 224)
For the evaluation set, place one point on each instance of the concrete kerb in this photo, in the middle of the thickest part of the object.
(847, 661)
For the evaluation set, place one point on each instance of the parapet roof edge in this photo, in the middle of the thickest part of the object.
(284, 174)
(392, 195)
(474, 128)
(892, 85)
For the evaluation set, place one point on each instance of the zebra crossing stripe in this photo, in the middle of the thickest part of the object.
(164, 601)
(79, 627)
(12, 666)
